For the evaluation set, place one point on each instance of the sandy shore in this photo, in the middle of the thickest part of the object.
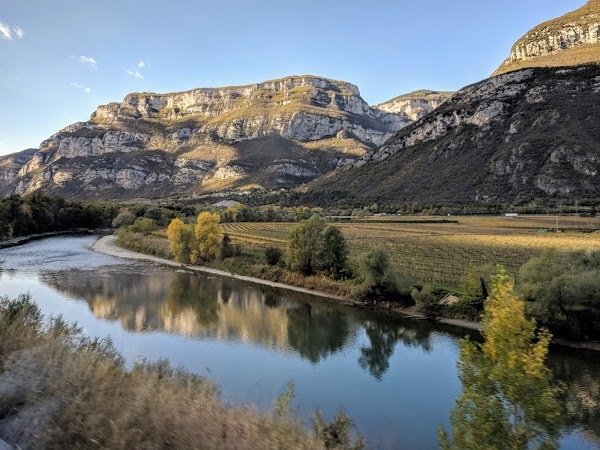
(107, 246)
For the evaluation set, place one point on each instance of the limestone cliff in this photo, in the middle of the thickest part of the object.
(518, 137)
(572, 39)
(415, 105)
(274, 134)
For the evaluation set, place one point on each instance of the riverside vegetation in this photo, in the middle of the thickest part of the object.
(385, 264)
(62, 389)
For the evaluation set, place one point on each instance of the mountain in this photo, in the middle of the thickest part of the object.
(515, 138)
(416, 104)
(525, 135)
(274, 134)
(572, 39)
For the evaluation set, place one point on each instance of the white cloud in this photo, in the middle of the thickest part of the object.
(135, 74)
(5, 31)
(81, 86)
(86, 60)
(141, 64)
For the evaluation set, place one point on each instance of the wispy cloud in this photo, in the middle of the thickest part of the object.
(81, 86)
(6, 32)
(135, 74)
(91, 62)
(138, 70)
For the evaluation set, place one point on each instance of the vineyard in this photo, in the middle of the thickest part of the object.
(443, 252)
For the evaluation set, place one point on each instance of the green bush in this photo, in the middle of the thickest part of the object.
(426, 301)
(273, 255)
(379, 279)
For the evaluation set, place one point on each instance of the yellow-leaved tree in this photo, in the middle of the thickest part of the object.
(207, 233)
(181, 240)
(508, 399)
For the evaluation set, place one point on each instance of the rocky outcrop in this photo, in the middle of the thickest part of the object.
(275, 134)
(568, 40)
(415, 105)
(518, 137)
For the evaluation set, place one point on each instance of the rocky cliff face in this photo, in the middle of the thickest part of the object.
(572, 39)
(515, 138)
(415, 105)
(273, 134)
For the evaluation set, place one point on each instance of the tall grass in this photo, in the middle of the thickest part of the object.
(66, 390)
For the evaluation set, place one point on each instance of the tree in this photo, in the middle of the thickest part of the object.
(207, 235)
(273, 255)
(334, 252)
(181, 240)
(563, 292)
(508, 400)
(124, 219)
(227, 249)
(305, 245)
(379, 278)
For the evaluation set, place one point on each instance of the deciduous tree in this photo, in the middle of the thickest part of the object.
(508, 399)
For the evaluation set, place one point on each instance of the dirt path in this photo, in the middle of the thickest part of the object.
(106, 245)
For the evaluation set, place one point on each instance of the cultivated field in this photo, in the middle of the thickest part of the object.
(443, 252)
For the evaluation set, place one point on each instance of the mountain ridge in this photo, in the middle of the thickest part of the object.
(273, 134)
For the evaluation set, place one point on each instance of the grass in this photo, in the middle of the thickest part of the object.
(575, 56)
(66, 390)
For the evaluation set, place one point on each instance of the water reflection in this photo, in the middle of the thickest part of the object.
(383, 337)
(197, 306)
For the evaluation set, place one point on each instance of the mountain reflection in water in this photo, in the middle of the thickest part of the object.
(226, 309)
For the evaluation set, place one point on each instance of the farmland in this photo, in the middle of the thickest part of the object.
(443, 252)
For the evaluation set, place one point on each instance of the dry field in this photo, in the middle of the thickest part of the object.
(443, 252)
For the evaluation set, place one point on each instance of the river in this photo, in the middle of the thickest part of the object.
(396, 378)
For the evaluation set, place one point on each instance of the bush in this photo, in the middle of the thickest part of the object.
(426, 301)
(380, 280)
(273, 255)
(143, 225)
(123, 220)
(563, 292)
(227, 248)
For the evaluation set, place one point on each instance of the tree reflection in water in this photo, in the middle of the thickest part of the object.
(316, 333)
(383, 337)
(198, 294)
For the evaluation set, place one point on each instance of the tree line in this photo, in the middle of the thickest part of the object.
(38, 213)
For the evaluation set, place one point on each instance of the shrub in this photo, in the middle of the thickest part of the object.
(227, 248)
(380, 280)
(124, 219)
(426, 301)
(143, 225)
(273, 255)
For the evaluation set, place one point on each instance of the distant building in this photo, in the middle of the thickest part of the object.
(511, 215)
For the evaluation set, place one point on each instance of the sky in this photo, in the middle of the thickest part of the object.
(60, 59)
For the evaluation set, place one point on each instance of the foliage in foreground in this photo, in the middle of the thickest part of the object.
(80, 395)
(508, 399)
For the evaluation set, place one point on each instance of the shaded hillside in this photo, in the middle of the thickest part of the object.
(274, 134)
(570, 40)
(515, 138)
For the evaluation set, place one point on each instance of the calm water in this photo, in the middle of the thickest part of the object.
(396, 378)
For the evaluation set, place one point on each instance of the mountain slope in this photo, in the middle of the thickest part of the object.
(518, 137)
(572, 39)
(274, 134)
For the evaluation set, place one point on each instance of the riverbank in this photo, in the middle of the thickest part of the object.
(107, 245)
(21, 240)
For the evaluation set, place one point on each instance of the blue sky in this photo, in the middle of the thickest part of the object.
(60, 59)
